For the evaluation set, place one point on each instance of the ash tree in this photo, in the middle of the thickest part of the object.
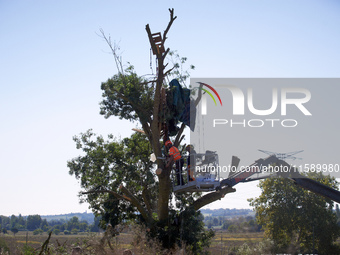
(118, 179)
(297, 219)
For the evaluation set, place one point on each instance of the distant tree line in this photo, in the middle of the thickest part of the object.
(233, 225)
(227, 212)
(38, 225)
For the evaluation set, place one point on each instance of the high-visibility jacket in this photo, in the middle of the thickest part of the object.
(175, 153)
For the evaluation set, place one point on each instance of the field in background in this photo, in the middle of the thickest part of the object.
(223, 242)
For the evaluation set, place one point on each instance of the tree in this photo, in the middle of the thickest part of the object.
(291, 215)
(14, 221)
(118, 179)
(5, 222)
(33, 222)
(226, 224)
(21, 222)
(14, 230)
(73, 223)
(44, 225)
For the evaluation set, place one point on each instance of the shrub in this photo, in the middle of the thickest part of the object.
(56, 231)
(38, 231)
(66, 232)
(74, 231)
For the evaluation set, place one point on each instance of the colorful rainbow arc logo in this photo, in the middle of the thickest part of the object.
(209, 93)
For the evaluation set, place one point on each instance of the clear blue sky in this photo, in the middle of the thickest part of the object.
(52, 63)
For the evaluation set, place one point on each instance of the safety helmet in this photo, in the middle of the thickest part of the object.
(168, 142)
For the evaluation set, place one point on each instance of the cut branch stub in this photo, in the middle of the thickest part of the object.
(159, 171)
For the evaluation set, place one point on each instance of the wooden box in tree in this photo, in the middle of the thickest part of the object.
(157, 39)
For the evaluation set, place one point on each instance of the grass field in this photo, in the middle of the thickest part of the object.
(223, 243)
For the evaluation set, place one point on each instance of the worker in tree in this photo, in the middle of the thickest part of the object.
(190, 162)
(175, 155)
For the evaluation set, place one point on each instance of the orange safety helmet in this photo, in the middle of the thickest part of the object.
(168, 142)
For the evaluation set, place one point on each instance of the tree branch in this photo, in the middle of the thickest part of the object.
(105, 191)
(178, 136)
(119, 64)
(211, 197)
(167, 72)
(172, 19)
(147, 216)
(132, 103)
(146, 199)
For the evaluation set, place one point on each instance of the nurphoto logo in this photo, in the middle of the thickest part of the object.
(281, 99)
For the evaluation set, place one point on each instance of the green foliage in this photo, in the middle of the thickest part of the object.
(73, 223)
(28, 250)
(44, 225)
(226, 224)
(180, 71)
(244, 250)
(66, 232)
(14, 230)
(108, 164)
(33, 222)
(127, 96)
(74, 231)
(232, 228)
(186, 228)
(56, 231)
(38, 231)
(5, 222)
(292, 215)
(3, 247)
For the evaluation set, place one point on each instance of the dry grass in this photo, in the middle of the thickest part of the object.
(135, 240)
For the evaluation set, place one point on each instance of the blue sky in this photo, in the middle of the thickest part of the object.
(52, 63)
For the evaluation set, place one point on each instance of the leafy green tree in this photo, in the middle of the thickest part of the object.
(209, 224)
(117, 177)
(291, 215)
(14, 230)
(44, 225)
(13, 221)
(73, 223)
(83, 226)
(5, 222)
(215, 222)
(33, 222)
(21, 222)
(226, 224)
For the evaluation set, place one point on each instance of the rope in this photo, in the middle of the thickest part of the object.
(151, 60)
